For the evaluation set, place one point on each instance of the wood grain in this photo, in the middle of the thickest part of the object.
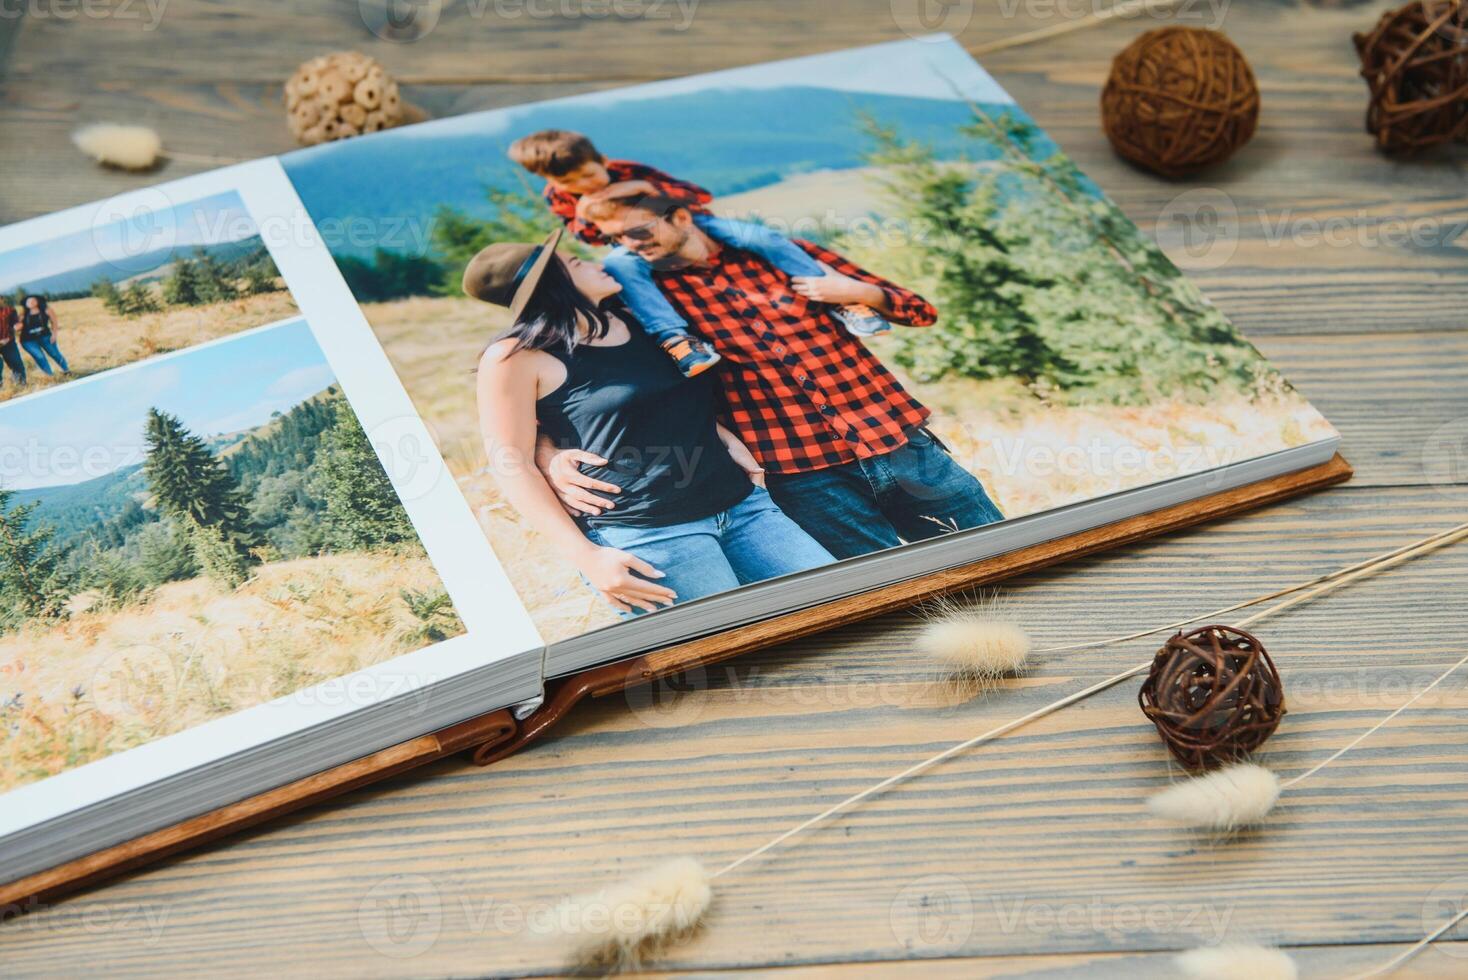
(1057, 868)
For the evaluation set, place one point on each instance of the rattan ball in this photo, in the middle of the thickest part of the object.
(1415, 63)
(342, 94)
(1179, 99)
(1213, 694)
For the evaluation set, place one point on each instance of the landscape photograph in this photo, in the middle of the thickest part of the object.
(133, 288)
(1070, 358)
(189, 537)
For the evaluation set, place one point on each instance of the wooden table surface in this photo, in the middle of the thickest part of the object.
(1032, 856)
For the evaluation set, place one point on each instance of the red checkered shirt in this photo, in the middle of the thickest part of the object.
(563, 203)
(801, 391)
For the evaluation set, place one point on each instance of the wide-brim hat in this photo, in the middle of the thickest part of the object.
(507, 273)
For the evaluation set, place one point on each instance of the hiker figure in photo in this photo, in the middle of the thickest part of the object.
(38, 333)
(10, 344)
(577, 176)
(846, 449)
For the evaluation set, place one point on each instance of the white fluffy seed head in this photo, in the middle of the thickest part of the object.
(116, 145)
(623, 922)
(972, 645)
(1235, 796)
(1237, 961)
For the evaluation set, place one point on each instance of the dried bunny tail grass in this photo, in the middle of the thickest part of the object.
(1235, 796)
(117, 145)
(972, 643)
(617, 926)
(1236, 961)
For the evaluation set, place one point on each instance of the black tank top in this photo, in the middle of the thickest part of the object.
(630, 405)
(35, 326)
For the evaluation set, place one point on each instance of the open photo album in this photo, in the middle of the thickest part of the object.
(310, 456)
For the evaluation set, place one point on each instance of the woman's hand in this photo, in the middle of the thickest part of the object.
(742, 457)
(610, 572)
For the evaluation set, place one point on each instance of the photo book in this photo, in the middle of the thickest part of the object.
(307, 461)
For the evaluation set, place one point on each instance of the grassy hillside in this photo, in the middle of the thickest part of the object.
(110, 679)
(95, 340)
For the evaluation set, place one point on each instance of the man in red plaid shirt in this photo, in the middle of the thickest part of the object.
(844, 446)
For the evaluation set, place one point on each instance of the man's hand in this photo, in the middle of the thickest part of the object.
(562, 470)
(839, 290)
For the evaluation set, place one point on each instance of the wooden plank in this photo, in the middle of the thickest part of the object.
(1050, 818)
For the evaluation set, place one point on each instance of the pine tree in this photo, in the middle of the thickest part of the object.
(261, 277)
(32, 582)
(362, 508)
(191, 486)
(107, 292)
(215, 284)
(138, 300)
(182, 287)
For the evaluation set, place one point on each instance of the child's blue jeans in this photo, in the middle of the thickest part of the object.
(647, 302)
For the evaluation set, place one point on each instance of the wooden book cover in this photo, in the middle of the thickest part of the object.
(497, 735)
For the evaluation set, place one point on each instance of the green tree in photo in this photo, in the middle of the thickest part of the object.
(139, 299)
(106, 290)
(165, 554)
(215, 283)
(261, 277)
(190, 485)
(183, 287)
(33, 584)
(362, 508)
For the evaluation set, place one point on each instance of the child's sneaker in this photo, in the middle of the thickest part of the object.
(862, 321)
(693, 356)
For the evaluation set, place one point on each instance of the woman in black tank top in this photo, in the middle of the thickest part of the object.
(686, 513)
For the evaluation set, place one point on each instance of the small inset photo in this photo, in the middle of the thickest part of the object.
(133, 286)
(191, 537)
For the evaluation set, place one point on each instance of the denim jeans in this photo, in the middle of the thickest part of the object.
(750, 542)
(643, 297)
(10, 356)
(40, 347)
(913, 493)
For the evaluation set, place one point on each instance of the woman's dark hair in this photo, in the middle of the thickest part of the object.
(553, 315)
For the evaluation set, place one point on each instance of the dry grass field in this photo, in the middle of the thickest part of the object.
(94, 340)
(106, 680)
(1030, 455)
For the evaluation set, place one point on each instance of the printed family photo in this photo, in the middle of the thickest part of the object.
(698, 334)
(189, 537)
(154, 281)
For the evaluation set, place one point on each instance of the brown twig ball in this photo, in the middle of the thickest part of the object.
(1213, 694)
(1415, 63)
(1179, 99)
(340, 95)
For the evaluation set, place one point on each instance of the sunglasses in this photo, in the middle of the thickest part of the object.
(645, 232)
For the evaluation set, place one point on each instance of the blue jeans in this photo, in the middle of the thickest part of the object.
(10, 356)
(913, 493)
(646, 301)
(750, 542)
(40, 347)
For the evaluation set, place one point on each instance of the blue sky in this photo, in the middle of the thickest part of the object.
(132, 228)
(91, 427)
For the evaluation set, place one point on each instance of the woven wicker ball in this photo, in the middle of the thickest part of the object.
(1179, 99)
(340, 95)
(1415, 63)
(1213, 694)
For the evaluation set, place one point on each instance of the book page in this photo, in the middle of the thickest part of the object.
(221, 520)
(820, 311)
